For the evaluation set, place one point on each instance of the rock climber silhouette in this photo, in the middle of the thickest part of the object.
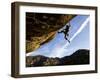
(65, 31)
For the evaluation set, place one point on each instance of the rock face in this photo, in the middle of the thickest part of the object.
(42, 27)
(77, 58)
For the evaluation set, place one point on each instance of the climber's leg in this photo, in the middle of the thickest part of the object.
(66, 38)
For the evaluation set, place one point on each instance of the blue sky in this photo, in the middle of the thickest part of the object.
(57, 47)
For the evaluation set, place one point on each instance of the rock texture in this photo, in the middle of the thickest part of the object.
(79, 57)
(42, 27)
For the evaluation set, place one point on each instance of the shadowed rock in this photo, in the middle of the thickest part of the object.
(79, 57)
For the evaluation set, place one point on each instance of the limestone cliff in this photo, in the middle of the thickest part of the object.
(42, 27)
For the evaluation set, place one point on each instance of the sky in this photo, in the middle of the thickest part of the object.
(59, 47)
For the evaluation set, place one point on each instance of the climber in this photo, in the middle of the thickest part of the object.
(65, 31)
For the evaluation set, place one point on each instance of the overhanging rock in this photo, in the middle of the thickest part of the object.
(41, 28)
